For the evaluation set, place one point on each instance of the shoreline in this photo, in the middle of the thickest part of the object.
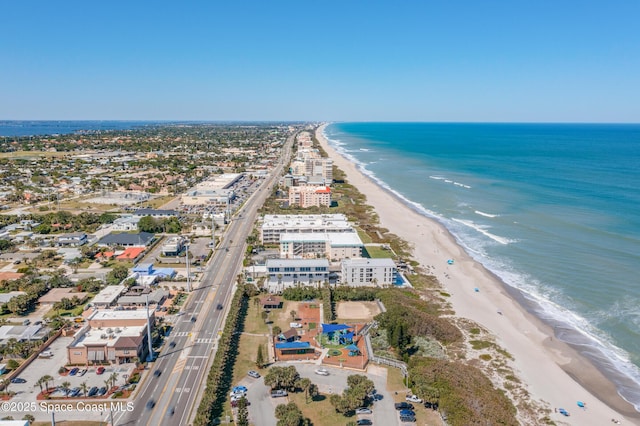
(554, 373)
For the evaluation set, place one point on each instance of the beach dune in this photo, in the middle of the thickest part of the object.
(554, 374)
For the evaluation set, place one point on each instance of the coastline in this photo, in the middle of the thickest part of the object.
(555, 374)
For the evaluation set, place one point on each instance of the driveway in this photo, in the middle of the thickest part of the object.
(263, 406)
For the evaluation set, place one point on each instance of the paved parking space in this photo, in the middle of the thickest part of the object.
(263, 406)
(50, 366)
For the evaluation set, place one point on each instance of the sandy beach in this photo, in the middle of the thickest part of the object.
(554, 374)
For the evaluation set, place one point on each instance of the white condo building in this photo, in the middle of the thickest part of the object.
(275, 225)
(331, 245)
(284, 273)
(369, 272)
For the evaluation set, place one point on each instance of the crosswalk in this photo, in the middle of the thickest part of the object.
(209, 340)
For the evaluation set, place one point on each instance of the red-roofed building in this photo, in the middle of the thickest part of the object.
(130, 254)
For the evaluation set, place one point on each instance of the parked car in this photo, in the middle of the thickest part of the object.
(278, 393)
(408, 413)
(563, 412)
(413, 398)
(18, 380)
(82, 372)
(403, 406)
(93, 391)
(239, 389)
(407, 419)
(364, 422)
(254, 374)
(74, 392)
(100, 370)
(322, 371)
(363, 410)
(102, 391)
(74, 371)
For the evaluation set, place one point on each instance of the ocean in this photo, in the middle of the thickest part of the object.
(552, 209)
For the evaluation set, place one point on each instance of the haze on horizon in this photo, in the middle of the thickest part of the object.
(333, 61)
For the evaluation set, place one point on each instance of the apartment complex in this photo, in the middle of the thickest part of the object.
(310, 196)
(275, 225)
(369, 272)
(333, 246)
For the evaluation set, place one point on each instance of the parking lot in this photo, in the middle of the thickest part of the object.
(263, 406)
(50, 366)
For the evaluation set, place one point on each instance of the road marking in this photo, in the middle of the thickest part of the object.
(201, 340)
(198, 356)
(185, 390)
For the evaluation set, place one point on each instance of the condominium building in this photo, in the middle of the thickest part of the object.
(283, 273)
(369, 272)
(275, 225)
(333, 246)
(310, 196)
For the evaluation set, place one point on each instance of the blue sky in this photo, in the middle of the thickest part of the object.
(348, 60)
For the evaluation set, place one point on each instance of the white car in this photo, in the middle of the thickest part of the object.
(413, 398)
(322, 372)
(363, 410)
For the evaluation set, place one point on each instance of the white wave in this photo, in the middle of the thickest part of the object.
(365, 149)
(484, 232)
(485, 214)
(460, 184)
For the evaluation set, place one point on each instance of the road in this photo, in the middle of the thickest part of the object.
(184, 367)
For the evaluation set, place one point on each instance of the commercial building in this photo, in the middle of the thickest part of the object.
(108, 296)
(173, 246)
(111, 336)
(275, 225)
(217, 190)
(369, 272)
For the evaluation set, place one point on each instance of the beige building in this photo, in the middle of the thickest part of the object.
(111, 336)
(310, 196)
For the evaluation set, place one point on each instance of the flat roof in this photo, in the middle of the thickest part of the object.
(109, 294)
(111, 314)
(100, 336)
(361, 261)
(296, 262)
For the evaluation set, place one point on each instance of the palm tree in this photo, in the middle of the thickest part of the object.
(107, 384)
(305, 385)
(112, 378)
(4, 384)
(46, 379)
(65, 387)
(84, 388)
(39, 383)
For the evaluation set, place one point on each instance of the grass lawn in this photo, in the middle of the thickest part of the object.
(377, 252)
(253, 322)
(247, 353)
(320, 411)
(366, 239)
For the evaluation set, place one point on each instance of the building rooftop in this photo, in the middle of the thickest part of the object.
(109, 294)
(111, 314)
(109, 335)
(384, 261)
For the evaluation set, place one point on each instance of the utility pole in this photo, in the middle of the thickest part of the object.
(150, 355)
(188, 270)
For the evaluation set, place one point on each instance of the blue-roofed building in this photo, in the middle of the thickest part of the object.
(144, 270)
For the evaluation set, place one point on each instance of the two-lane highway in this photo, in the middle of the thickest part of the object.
(171, 397)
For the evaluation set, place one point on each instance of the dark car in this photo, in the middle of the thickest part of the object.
(18, 380)
(157, 373)
(193, 319)
(172, 344)
(219, 306)
(93, 391)
(403, 406)
(102, 391)
(364, 422)
(74, 371)
(150, 404)
(407, 419)
(407, 413)
(171, 411)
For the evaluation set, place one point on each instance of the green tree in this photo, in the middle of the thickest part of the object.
(260, 362)
(65, 386)
(243, 413)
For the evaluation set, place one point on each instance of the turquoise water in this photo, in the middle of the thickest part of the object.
(552, 209)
